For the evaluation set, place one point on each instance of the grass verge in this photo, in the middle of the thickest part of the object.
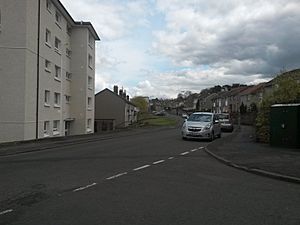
(152, 120)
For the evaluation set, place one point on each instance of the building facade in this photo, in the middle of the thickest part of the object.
(118, 112)
(47, 71)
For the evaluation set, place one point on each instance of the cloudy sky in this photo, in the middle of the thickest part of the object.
(159, 48)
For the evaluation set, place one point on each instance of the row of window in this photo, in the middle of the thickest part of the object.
(58, 17)
(57, 100)
(58, 22)
(58, 70)
(56, 127)
(57, 43)
(58, 47)
(57, 74)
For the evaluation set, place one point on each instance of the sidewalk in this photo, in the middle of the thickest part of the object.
(241, 151)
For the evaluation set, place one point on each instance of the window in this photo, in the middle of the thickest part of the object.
(48, 5)
(48, 38)
(56, 99)
(69, 29)
(90, 61)
(57, 18)
(56, 128)
(57, 44)
(47, 98)
(68, 52)
(68, 75)
(91, 40)
(68, 99)
(48, 66)
(89, 125)
(90, 82)
(57, 72)
(89, 103)
(46, 128)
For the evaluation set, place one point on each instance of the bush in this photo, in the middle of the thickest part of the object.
(286, 90)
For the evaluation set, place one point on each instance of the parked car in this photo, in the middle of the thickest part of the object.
(201, 125)
(160, 113)
(184, 116)
(226, 122)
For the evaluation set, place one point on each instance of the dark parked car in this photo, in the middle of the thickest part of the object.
(226, 122)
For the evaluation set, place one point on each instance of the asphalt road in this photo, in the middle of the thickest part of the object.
(147, 178)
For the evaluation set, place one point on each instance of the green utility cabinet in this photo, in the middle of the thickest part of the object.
(285, 125)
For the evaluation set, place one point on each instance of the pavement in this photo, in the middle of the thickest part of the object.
(240, 150)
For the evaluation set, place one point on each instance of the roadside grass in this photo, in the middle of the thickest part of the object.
(147, 119)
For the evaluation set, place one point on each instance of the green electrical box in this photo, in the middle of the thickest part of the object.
(285, 125)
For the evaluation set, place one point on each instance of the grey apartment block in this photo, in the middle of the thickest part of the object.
(47, 71)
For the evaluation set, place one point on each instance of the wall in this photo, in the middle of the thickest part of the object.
(18, 51)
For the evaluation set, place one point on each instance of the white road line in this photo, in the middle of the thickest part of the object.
(193, 150)
(200, 148)
(85, 187)
(6, 211)
(157, 162)
(170, 158)
(115, 176)
(184, 153)
(140, 168)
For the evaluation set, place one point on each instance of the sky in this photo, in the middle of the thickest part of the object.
(159, 48)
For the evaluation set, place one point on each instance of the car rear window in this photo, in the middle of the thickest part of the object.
(223, 116)
(200, 118)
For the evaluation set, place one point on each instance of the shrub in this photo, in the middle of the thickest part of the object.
(286, 89)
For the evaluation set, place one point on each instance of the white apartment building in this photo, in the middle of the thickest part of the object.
(47, 71)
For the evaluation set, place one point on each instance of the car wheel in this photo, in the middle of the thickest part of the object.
(220, 135)
(184, 138)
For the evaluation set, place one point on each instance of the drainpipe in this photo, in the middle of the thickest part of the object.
(38, 73)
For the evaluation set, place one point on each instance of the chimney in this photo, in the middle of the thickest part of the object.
(124, 94)
(116, 89)
(121, 92)
(127, 97)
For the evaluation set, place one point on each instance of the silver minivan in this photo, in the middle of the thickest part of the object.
(201, 125)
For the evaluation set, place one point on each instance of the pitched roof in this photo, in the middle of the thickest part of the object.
(253, 89)
(111, 92)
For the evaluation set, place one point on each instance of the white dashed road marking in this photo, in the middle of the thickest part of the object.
(6, 211)
(140, 168)
(122, 174)
(157, 162)
(115, 176)
(184, 153)
(85, 187)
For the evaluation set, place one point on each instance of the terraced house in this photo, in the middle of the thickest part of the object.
(47, 71)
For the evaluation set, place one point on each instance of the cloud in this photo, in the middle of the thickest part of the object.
(169, 84)
(162, 47)
(246, 37)
(112, 19)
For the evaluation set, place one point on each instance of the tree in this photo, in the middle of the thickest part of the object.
(141, 103)
(243, 108)
(286, 90)
(253, 107)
